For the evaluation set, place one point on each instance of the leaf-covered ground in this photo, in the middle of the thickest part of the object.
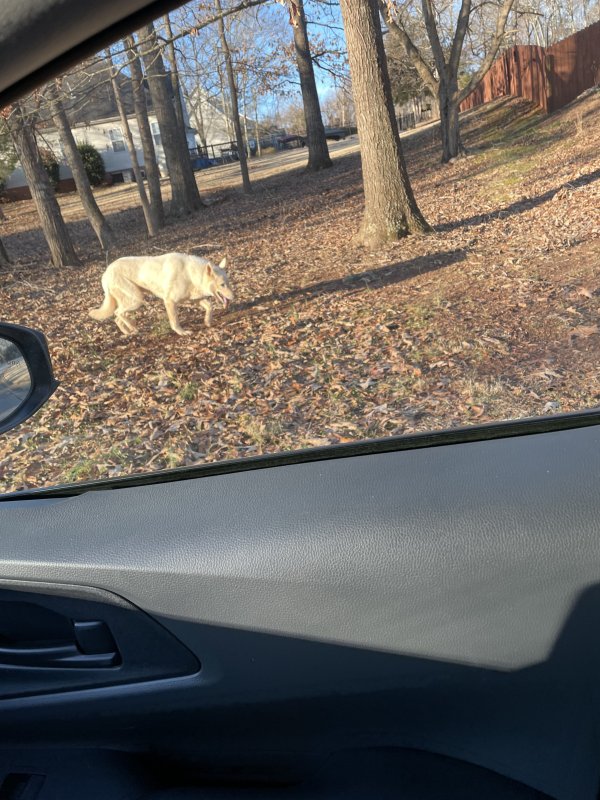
(493, 316)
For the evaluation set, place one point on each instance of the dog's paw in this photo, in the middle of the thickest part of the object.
(183, 332)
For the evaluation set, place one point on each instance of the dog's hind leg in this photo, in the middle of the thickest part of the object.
(124, 324)
(174, 320)
(207, 306)
(129, 298)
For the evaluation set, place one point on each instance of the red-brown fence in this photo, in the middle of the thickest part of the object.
(550, 77)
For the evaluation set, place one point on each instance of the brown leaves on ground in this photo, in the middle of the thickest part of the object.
(493, 316)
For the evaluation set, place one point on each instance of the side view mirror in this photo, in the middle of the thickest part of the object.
(26, 377)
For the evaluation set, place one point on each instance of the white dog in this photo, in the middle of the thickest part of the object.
(174, 277)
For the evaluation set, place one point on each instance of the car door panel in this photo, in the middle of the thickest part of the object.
(443, 599)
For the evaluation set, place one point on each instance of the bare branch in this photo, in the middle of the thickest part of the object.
(434, 38)
(410, 48)
(497, 41)
(462, 25)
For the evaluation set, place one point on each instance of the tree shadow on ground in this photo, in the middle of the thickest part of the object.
(519, 206)
(367, 279)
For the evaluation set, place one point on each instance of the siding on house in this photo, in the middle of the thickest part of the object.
(107, 137)
(212, 119)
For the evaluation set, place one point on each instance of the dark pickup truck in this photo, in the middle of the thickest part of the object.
(336, 133)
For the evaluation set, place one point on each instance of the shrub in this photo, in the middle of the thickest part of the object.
(93, 163)
(51, 165)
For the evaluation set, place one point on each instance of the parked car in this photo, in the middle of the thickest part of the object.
(290, 141)
(336, 134)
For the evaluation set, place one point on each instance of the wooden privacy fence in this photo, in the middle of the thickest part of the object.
(548, 76)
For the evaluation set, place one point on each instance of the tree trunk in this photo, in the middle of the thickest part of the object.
(52, 223)
(257, 129)
(149, 214)
(141, 114)
(4, 259)
(318, 152)
(224, 103)
(97, 220)
(196, 108)
(175, 82)
(443, 82)
(199, 119)
(235, 108)
(452, 146)
(185, 196)
(245, 118)
(391, 211)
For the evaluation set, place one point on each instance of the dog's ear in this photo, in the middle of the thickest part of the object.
(209, 270)
(223, 263)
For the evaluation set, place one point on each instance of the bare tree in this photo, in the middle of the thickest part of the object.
(391, 211)
(318, 152)
(149, 213)
(147, 141)
(443, 82)
(52, 223)
(185, 196)
(233, 98)
(97, 220)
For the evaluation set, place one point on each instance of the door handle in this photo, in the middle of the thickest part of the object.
(93, 647)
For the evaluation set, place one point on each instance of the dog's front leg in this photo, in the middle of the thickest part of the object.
(173, 319)
(207, 306)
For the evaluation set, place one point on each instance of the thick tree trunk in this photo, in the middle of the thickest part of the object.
(4, 259)
(149, 214)
(391, 211)
(175, 82)
(52, 223)
(318, 152)
(185, 196)
(141, 115)
(452, 146)
(233, 98)
(97, 220)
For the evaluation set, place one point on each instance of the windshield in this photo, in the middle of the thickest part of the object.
(254, 230)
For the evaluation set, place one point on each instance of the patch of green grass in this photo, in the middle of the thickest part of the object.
(172, 459)
(486, 391)
(161, 327)
(188, 392)
(115, 454)
(80, 471)
(260, 432)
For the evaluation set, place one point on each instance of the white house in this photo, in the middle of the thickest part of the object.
(94, 120)
(211, 123)
(91, 109)
(106, 135)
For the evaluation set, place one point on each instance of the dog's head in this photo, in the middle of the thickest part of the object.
(218, 283)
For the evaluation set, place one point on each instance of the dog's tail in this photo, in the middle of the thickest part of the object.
(107, 308)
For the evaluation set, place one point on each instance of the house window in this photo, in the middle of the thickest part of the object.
(116, 138)
(156, 134)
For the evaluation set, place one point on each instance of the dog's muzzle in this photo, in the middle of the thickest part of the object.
(224, 300)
